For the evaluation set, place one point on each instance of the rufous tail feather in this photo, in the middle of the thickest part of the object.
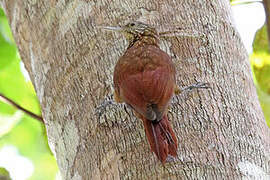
(161, 138)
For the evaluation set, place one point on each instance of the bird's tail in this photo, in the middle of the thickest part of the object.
(161, 138)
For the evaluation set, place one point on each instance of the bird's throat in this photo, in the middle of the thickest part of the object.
(144, 40)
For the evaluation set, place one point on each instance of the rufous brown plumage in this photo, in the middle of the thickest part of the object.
(144, 78)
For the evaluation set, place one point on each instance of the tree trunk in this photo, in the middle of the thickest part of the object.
(221, 132)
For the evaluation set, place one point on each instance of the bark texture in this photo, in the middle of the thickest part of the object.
(222, 133)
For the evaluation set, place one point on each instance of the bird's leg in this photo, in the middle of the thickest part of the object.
(180, 91)
(117, 98)
(198, 85)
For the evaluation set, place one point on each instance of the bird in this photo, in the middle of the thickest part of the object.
(145, 79)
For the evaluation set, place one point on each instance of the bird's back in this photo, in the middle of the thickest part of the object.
(144, 78)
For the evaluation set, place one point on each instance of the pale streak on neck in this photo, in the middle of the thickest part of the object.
(144, 40)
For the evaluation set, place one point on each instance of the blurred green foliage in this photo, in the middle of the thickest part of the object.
(23, 132)
(239, 2)
(4, 174)
(260, 61)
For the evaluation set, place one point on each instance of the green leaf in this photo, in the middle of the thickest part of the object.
(29, 137)
(4, 174)
(14, 86)
(265, 104)
(260, 43)
(8, 122)
(260, 61)
(8, 47)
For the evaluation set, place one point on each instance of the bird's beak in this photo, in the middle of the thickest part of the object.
(111, 28)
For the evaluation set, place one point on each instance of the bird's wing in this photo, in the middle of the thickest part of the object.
(146, 82)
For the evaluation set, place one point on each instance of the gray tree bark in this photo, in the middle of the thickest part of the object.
(222, 133)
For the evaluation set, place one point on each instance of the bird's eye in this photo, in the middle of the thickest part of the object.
(132, 24)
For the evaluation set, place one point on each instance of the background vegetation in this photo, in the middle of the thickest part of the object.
(29, 135)
(17, 129)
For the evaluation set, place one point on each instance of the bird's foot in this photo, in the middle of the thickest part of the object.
(107, 102)
(185, 90)
(108, 111)
(198, 85)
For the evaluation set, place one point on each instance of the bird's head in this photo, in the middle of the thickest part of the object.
(135, 31)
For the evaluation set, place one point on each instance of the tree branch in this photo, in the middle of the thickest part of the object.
(245, 2)
(11, 102)
(266, 4)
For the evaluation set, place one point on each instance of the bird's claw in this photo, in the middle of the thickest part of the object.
(198, 85)
(102, 107)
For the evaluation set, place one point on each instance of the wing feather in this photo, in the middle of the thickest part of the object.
(145, 78)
